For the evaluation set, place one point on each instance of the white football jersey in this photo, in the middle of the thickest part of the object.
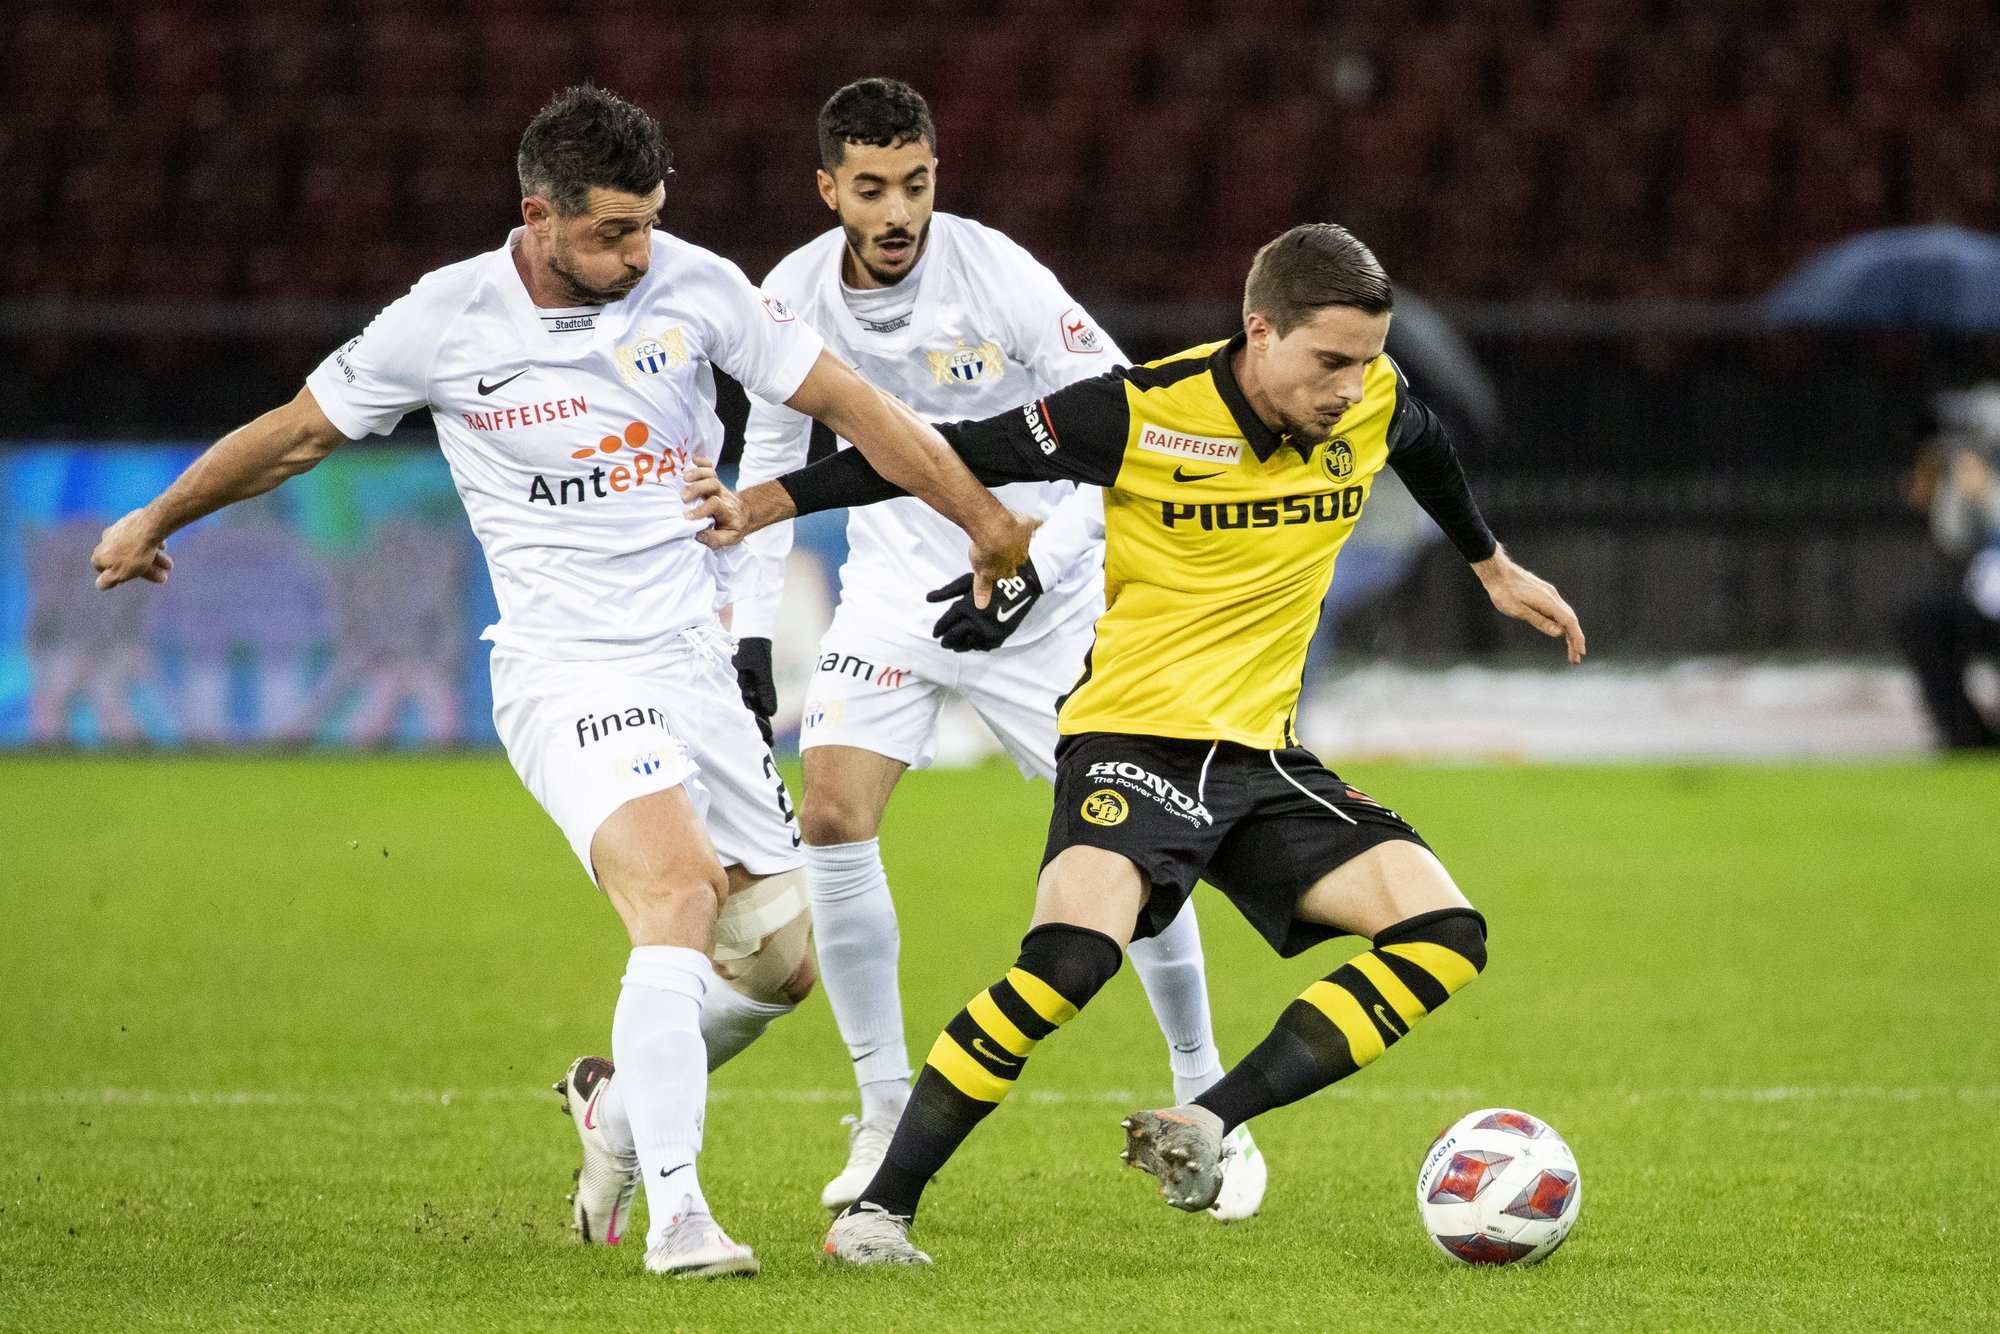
(989, 329)
(568, 431)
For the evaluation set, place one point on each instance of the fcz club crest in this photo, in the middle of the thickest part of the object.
(963, 363)
(651, 353)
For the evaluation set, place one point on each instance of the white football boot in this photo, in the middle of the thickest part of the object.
(1183, 1147)
(1244, 1175)
(607, 1181)
(867, 1145)
(869, 1235)
(695, 1246)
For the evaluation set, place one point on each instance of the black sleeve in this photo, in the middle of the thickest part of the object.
(1420, 451)
(1075, 434)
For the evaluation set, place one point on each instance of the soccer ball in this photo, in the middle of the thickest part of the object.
(1498, 1187)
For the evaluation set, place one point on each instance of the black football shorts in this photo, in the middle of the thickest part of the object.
(1262, 826)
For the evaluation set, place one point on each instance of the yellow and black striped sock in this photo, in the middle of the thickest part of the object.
(981, 1051)
(1351, 1017)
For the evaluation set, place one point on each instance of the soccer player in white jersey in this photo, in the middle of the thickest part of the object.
(568, 375)
(959, 322)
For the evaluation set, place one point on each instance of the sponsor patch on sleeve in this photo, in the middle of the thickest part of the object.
(1038, 426)
(1079, 334)
(777, 310)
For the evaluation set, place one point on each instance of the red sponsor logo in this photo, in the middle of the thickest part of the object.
(527, 414)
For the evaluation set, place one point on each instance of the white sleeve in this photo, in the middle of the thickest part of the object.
(366, 386)
(1071, 539)
(757, 339)
(1054, 336)
(775, 442)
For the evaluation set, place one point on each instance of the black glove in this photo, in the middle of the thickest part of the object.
(966, 628)
(759, 685)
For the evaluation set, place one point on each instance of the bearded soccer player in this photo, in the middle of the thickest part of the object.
(568, 374)
(1233, 473)
(957, 321)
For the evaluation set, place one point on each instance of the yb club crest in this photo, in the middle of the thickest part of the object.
(1338, 461)
(1104, 807)
(963, 363)
(651, 353)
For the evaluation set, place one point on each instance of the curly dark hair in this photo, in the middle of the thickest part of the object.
(1311, 266)
(884, 113)
(587, 138)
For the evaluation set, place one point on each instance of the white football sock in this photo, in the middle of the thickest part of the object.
(663, 1074)
(854, 928)
(884, 1099)
(731, 1021)
(1170, 968)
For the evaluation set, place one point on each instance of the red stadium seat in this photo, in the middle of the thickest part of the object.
(176, 65)
(520, 62)
(410, 63)
(1437, 74)
(1094, 67)
(107, 199)
(288, 56)
(61, 53)
(467, 205)
(232, 187)
(644, 61)
(750, 60)
(988, 63)
(353, 202)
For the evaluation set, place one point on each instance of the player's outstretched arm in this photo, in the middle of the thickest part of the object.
(908, 452)
(249, 461)
(1519, 592)
(1421, 452)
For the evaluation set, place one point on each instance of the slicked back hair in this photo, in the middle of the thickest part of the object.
(587, 138)
(1312, 266)
(883, 113)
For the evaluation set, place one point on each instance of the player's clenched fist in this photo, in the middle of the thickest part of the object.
(998, 550)
(129, 549)
(705, 497)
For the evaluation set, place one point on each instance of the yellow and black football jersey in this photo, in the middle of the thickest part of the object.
(1220, 535)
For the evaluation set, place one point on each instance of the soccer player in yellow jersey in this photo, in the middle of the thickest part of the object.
(1232, 472)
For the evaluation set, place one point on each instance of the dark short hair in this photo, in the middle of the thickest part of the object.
(884, 113)
(1310, 267)
(586, 139)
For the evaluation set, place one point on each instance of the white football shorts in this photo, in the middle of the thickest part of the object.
(587, 736)
(883, 693)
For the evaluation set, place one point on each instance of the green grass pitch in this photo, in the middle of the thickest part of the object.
(278, 1036)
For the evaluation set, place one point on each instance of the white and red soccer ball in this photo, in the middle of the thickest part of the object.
(1499, 1187)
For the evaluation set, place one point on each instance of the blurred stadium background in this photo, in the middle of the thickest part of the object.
(1593, 199)
(282, 1025)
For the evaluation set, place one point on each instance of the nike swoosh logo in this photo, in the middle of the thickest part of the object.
(1390, 1024)
(979, 1045)
(1181, 474)
(590, 1111)
(666, 1172)
(1006, 614)
(485, 388)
